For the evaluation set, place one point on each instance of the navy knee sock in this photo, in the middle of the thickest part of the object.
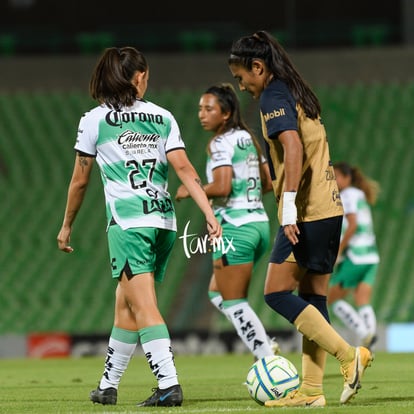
(319, 301)
(287, 304)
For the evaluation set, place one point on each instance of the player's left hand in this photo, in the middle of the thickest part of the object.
(292, 232)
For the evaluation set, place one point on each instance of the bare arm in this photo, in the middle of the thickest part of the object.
(189, 177)
(76, 193)
(349, 232)
(219, 187)
(266, 178)
(221, 184)
(293, 158)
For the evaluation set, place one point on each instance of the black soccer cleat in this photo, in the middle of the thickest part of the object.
(170, 397)
(107, 396)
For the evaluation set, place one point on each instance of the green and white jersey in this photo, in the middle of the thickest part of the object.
(236, 149)
(362, 248)
(130, 148)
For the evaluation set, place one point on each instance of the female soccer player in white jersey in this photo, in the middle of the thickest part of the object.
(133, 141)
(235, 173)
(358, 257)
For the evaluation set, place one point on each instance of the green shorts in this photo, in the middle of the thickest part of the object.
(348, 275)
(140, 250)
(244, 244)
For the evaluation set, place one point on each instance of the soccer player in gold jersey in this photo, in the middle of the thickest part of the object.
(310, 213)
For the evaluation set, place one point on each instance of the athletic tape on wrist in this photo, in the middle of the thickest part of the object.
(289, 211)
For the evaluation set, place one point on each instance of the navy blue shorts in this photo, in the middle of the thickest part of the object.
(317, 248)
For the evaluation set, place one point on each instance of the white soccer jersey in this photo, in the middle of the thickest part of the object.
(130, 148)
(236, 149)
(362, 248)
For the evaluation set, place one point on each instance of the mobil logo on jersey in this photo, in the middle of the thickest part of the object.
(196, 244)
(274, 114)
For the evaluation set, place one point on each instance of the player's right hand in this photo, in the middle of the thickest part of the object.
(63, 240)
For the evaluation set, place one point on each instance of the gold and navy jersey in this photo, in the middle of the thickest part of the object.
(318, 195)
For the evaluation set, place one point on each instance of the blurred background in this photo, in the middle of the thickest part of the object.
(359, 58)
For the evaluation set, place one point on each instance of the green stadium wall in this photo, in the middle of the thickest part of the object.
(367, 99)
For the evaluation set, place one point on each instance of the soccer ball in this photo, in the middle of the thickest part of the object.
(271, 378)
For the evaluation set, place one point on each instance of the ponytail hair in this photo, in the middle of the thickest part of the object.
(370, 187)
(111, 81)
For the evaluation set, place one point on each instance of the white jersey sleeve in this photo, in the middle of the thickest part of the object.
(88, 133)
(221, 152)
(174, 140)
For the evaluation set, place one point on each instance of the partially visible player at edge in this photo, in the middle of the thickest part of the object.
(310, 213)
(133, 141)
(237, 175)
(358, 257)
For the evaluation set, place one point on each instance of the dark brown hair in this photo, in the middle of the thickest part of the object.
(111, 81)
(229, 103)
(262, 45)
(370, 187)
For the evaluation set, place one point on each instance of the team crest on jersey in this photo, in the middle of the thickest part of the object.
(330, 175)
(336, 197)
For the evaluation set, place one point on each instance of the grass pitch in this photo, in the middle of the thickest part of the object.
(211, 384)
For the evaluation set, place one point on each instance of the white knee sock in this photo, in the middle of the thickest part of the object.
(248, 326)
(216, 299)
(117, 360)
(367, 314)
(161, 360)
(349, 317)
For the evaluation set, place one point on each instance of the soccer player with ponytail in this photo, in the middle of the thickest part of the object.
(310, 214)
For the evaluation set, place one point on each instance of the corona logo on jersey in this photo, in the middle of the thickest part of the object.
(274, 114)
(244, 143)
(193, 244)
(118, 118)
